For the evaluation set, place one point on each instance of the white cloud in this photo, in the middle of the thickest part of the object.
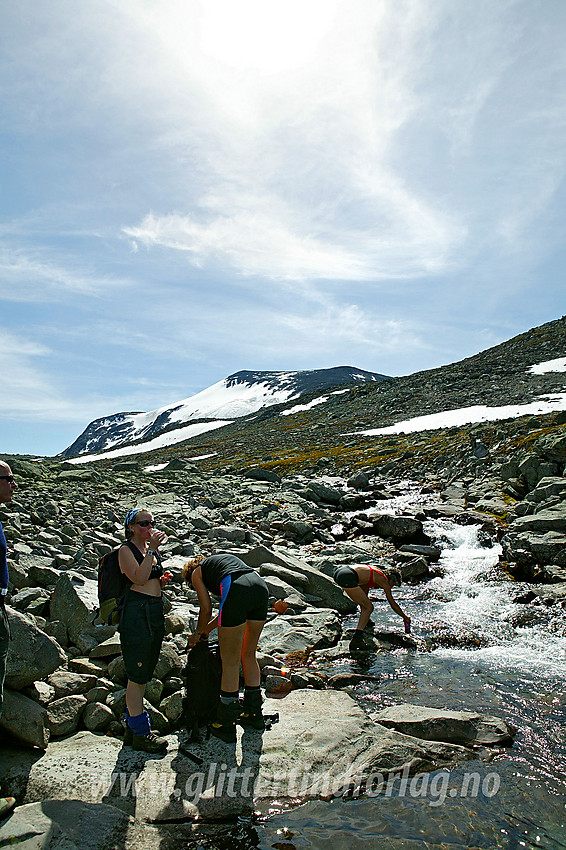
(25, 388)
(295, 142)
(349, 327)
(25, 278)
(252, 241)
(314, 123)
(31, 392)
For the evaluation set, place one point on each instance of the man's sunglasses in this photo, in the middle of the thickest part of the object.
(9, 478)
(145, 523)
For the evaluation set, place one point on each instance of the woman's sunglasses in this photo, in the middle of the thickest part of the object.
(145, 523)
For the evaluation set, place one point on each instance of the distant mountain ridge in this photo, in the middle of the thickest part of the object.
(238, 395)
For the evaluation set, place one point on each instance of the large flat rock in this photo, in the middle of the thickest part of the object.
(65, 825)
(457, 727)
(323, 744)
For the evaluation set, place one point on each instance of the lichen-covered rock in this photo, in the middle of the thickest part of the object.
(74, 601)
(172, 706)
(314, 628)
(169, 663)
(25, 719)
(32, 654)
(97, 716)
(117, 671)
(552, 519)
(63, 714)
(318, 584)
(66, 682)
(153, 691)
(399, 527)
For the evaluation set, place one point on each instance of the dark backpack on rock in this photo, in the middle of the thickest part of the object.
(112, 584)
(201, 675)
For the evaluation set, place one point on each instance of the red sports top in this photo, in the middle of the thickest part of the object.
(373, 570)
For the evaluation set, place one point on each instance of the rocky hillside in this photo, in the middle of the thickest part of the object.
(328, 435)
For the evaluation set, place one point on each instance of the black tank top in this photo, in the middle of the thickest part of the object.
(216, 567)
(156, 570)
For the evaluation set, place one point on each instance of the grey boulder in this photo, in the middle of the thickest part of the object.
(456, 727)
(68, 824)
(74, 602)
(318, 585)
(25, 719)
(314, 628)
(32, 654)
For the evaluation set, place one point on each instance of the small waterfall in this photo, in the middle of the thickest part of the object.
(474, 599)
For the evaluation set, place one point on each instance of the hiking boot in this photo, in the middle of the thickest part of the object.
(128, 736)
(357, 642)
(252, 720)
(251, 716)
(224, 727)
(150, 743)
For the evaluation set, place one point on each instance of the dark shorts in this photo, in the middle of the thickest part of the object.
(142, 628)
(243, 597)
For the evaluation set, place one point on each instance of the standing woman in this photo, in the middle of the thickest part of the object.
(241, 617)
(142, 623)
(356, 581)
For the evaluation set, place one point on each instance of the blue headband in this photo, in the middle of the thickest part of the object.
(129, 517)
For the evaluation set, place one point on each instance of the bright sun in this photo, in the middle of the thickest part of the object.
(266, 35)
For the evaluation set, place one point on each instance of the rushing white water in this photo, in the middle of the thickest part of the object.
(475, 601)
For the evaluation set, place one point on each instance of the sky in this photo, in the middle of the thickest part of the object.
(188, 189)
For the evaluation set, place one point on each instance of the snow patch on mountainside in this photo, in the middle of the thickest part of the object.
(216, 402)
(167, 439)
(558, 365)
(298, 407)
(470, 415)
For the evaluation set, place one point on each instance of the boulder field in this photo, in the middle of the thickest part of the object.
(65, 698)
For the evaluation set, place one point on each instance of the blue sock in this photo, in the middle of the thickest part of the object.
(139, 724)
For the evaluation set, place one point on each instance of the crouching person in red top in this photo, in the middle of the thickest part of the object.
(356, 581)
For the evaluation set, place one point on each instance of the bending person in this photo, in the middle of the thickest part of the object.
(142, 623)
(356, 581)
(241, 617)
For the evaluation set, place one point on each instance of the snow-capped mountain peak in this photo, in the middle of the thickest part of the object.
(237, 395)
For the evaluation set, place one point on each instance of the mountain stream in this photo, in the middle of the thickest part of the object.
(508, 661)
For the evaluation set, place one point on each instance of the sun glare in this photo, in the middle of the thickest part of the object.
(265, 35)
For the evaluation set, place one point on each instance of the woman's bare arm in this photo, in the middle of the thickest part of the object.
(137, 573)
(381, 581)
(204, 602)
